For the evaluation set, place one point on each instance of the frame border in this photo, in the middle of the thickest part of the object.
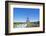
(6, 18)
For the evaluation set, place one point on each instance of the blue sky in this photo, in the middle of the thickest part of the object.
(21, 14)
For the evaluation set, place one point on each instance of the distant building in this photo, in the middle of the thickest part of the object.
(27, 21)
